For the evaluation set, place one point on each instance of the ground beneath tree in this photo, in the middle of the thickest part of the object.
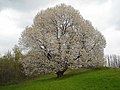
(82, 79)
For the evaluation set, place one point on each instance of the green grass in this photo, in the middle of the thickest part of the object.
(82, 79)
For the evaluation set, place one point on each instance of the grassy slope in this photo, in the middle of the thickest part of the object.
(108, 79)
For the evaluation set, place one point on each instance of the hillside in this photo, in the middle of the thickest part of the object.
(82, 79)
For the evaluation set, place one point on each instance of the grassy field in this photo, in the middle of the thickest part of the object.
(82, 79)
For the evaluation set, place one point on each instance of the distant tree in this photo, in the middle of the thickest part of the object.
(17, 52)
(8, 56)
(112, 61)
(65, 38)
(9, 68)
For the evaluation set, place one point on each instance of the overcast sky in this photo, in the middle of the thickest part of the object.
(15, 15)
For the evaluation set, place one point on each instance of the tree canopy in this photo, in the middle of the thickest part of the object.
(65, 38)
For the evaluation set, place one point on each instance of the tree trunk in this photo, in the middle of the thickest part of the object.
(60, 73)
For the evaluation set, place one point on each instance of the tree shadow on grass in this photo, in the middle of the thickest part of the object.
(75, 73)
(68, 74)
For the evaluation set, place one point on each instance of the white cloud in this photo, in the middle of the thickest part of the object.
(8, 22)
(12, 23)
(9, 32)
(113, 41)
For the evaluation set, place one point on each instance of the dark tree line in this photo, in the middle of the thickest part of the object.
(10, 70)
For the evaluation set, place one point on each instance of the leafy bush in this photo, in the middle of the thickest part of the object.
(9, 69)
